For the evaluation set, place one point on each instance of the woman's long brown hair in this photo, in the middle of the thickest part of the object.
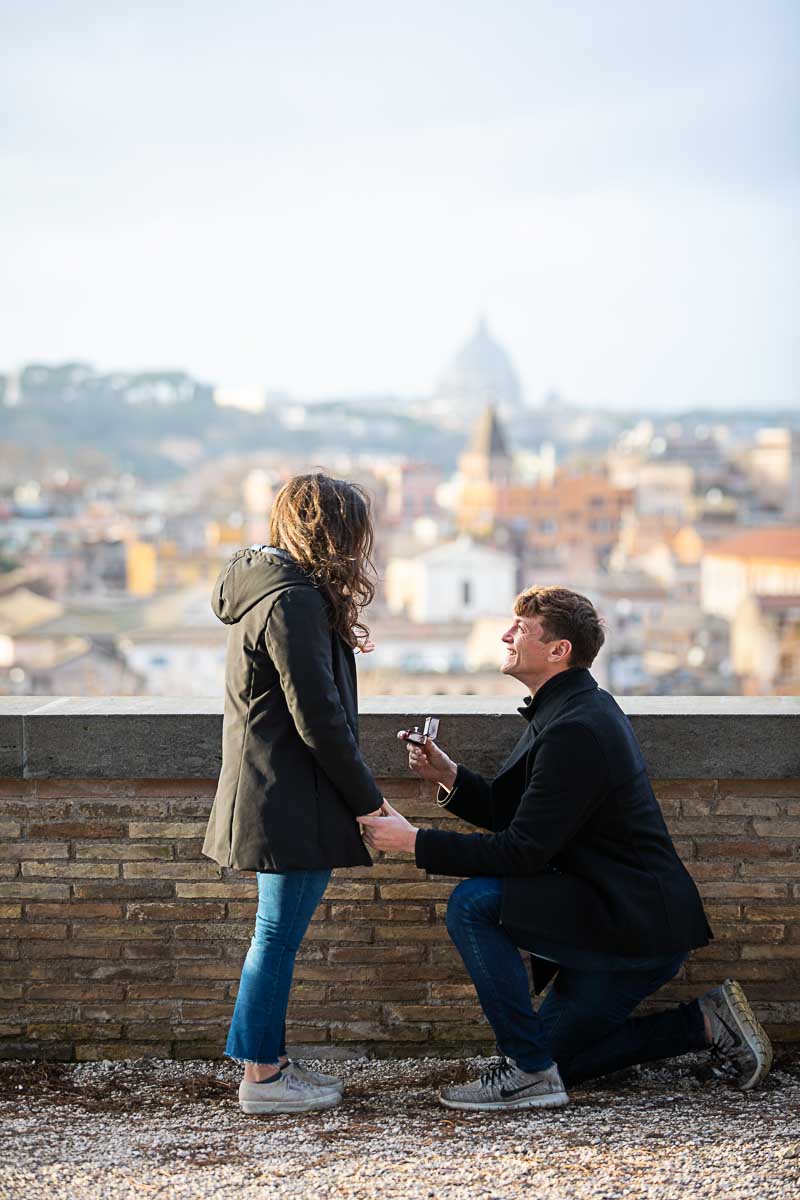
(325, 525)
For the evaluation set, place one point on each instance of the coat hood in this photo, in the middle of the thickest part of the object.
(249, 577)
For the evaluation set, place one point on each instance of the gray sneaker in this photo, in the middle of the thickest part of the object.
(507, 1086)
(285, 1093)
(315, 1078)
(740, 1048)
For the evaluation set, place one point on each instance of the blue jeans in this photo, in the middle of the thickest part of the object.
(286, 905)
(584, 1023)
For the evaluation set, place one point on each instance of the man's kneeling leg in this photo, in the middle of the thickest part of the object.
(527, 1077)
(586, 1015)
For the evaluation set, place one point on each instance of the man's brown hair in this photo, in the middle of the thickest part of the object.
(564, 614)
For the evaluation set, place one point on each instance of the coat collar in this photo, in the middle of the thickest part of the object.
(540, 708)
(275, 552)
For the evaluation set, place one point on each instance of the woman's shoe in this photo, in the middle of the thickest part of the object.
(285, 1093)
(315, 1078)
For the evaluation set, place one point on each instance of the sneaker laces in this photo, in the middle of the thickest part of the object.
(295, 1083)
(496, 1074)
(724, 1050)
(720, 1061)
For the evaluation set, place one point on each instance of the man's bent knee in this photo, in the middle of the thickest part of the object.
(473, 900)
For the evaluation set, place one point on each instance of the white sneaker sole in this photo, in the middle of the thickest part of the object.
(551, 1100)
(751, 1029)
(290, 1106)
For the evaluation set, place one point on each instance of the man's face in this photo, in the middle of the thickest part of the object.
(529, 654)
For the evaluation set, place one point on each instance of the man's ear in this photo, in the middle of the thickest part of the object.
(561, 651)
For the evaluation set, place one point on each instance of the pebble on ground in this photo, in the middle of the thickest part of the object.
(139, 1129)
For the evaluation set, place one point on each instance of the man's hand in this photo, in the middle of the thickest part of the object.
(429, 762)
(388, 832)
(376, 812)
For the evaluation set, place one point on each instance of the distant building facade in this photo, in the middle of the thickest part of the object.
(561, 517)
(753, 563)
(765, 645)
(411, 491)
(456, 581)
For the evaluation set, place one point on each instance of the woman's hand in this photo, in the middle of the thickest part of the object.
(429, 762)
(391, 831)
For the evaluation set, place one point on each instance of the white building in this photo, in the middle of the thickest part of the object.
(177, 662)
(765, 645)
(457, 581)
(755, 562)
(664, 489)
(484, 648)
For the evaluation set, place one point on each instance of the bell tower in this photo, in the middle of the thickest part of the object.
(486, 459)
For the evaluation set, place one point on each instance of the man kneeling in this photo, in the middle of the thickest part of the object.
(578, 868)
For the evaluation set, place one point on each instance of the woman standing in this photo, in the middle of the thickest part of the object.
(293, 780)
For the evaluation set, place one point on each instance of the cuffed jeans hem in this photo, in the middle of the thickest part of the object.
(251, 1050)
(695, 1026)
(251, 1062)
(532, 1064)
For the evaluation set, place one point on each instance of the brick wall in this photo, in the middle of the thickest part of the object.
(118, 940)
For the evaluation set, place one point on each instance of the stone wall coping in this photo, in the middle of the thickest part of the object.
(682, 737)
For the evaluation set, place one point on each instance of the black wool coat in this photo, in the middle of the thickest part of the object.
(293, 779)
(577, 835)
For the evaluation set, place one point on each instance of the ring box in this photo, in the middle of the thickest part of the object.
(419, 737)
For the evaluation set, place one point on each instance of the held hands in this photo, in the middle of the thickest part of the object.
(388, 830)
(429, 762)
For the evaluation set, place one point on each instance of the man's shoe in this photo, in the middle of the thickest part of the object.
(284, 1093)
(328, 1082)
(507, 1086)
(740, 1048)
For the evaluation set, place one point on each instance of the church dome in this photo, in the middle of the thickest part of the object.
(481, 373)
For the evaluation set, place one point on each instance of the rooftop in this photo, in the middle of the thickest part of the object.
(23, 609)
(463, 547)
(769, 543)
(488, 438)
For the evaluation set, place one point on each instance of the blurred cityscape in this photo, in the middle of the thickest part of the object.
(122, 495)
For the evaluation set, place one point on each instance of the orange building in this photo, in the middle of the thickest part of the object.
(560, 516)
(140, 568)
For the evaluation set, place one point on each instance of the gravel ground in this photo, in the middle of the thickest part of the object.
(165, 1129)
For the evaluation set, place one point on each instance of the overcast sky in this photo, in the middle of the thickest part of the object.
(322, 197)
